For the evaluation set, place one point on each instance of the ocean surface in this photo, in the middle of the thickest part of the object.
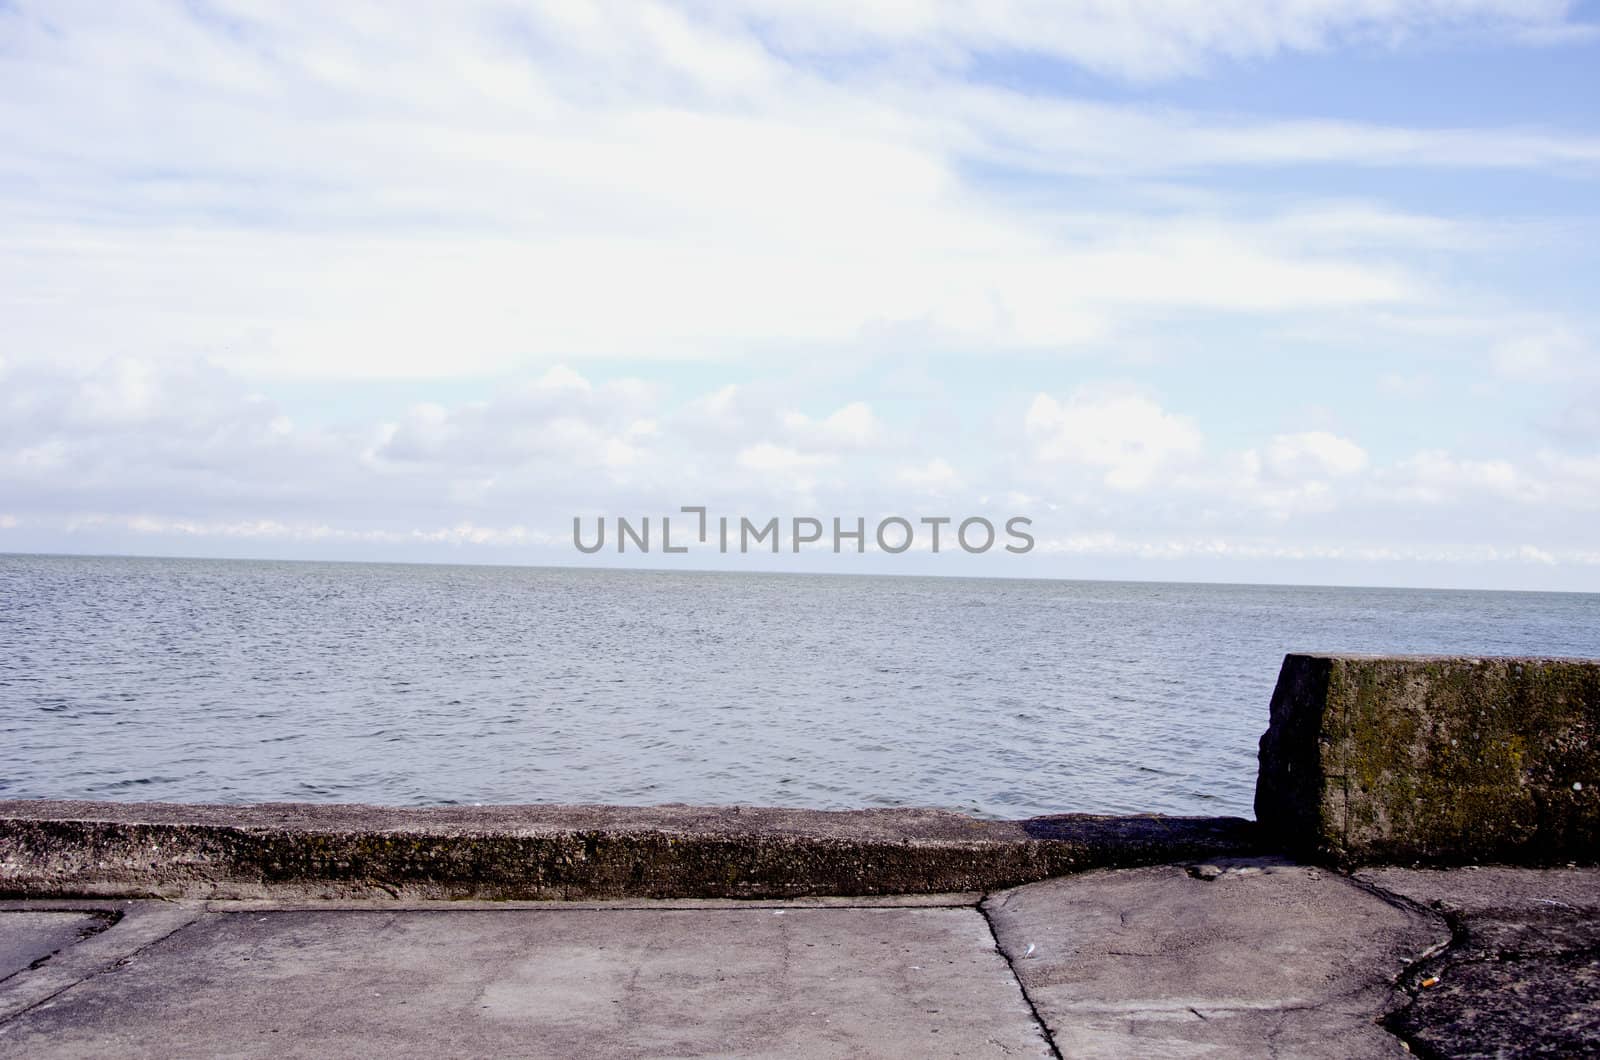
(239, 681)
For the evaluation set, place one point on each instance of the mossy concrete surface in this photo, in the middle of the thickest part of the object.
(1433, 759)
(563, 852)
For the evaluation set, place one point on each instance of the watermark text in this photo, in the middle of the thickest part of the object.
(697, 529)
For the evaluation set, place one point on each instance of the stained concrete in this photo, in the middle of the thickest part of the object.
(30, 937)
(129, 927)
(1521, 976)
(814, 982)
(1241, 958)
(290, 851)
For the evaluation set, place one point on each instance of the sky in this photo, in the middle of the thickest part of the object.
(1285, 292)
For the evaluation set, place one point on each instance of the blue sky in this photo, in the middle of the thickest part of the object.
(1235, 291)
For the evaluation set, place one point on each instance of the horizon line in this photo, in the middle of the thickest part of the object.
(629, 569)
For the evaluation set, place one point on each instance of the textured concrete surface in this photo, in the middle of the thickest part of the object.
(1244, 958)
(562, 852)
(893, 982)
(1232, 957)
(1521, 976)
(1381, 759)
(129, 928)
(28, 937)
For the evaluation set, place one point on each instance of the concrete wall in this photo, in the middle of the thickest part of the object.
(563, 852)
(1436, 759)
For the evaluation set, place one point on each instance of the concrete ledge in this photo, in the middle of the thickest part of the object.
(1437, 759)
(284, 851)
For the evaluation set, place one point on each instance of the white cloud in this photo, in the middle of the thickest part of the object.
(1312, 454)
(557, 414)
(1546, 356)
(1243, 547)
(318, 194)
(1128, 436)
(1523, 359)
(1404, 384)
(561, 378)
(1144, 39)
(853, 426)
(935, 477)
(766, 457)
(510, 211)
(1534, 554)
(465, 533)
(1434, 476)
(1055, 135)
(217, 464)
(1297, 474)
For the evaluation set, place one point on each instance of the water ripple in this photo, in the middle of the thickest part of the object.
(252, 681)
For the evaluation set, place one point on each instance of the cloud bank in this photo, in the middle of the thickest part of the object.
(433, 280)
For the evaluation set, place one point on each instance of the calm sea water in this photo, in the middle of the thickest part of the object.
(207, 680)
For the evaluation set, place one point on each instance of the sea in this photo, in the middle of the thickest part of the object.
(262, 681)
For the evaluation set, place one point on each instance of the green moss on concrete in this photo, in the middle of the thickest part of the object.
(1436, 759)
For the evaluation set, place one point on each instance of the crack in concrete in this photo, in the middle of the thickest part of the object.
(1411, 971)
(104, 917)
(121, 961)
(1011, 966)
(1449, 959)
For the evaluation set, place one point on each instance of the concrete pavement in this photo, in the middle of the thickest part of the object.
(558, 982)
(1241, 958)
(31, 936)
(1521, 975)
(1248, 957)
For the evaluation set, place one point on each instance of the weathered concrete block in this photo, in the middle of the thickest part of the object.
(1437, 759)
